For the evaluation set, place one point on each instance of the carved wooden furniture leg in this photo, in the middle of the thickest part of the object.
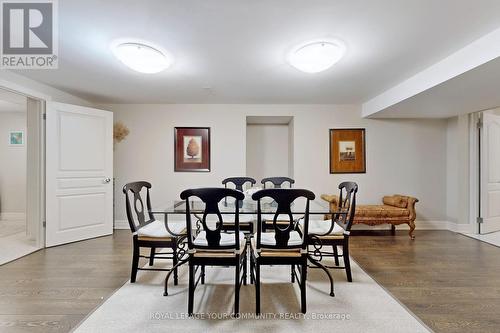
(412, 228)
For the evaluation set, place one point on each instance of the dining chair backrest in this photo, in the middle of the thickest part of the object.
(346, 205)
(239, 182)
(134, 203)
(277, 181)
(284, 199)
(212, 197)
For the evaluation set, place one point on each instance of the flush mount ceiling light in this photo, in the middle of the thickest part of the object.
(317, 56)
(141, 57)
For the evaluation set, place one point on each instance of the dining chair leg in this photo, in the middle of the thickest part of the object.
(347, 261)
(135, 263)
(245, 268)
(292, 278)
(237, 286)
(328, 274)
(191, 289)
(303, 277)
(202, 274)
(174, 263)
(152, 256)
(251, 270)
(257, 288)
(336, 255)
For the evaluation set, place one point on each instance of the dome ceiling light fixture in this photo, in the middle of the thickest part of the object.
(317, 56)
(141, 56)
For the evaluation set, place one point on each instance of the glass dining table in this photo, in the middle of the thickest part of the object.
(178, 208)
(316, 207)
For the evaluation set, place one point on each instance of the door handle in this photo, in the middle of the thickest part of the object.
(107, 180)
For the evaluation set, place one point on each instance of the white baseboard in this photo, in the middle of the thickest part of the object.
(419, 225)
(121, 224)
(462, 228)
(12, 216)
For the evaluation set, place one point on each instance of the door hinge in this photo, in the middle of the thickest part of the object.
(44, 224)
(44, 116)
(480, 123)
(479, 220)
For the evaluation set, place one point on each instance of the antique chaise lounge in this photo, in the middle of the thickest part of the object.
(396, 209)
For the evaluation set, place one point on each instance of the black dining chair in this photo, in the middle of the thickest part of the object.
(246, 220)
(239, 182)
(284, 245)
(211, 246)
(277, 182)
(334, 232)
(147, 231)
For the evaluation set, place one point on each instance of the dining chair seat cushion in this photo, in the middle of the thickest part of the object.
(272, 252)
(244, 218)
(282, 219)
(157, 229)
(321, 227)
(268, 239)
(226, 239)
(215, 254)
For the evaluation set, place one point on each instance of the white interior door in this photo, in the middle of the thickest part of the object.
(490, 173)
(79, 173)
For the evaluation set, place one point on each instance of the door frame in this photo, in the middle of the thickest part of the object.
(39, 215)
(475, 171)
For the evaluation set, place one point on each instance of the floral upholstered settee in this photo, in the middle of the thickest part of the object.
(396, 209)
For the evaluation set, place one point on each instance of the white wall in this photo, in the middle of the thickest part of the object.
(12, 165)
(403, 156)
(267, 151)
(452, 163)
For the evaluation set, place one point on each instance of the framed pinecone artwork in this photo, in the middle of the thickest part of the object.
(192, 149)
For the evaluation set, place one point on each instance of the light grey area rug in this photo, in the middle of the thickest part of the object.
(360, 306)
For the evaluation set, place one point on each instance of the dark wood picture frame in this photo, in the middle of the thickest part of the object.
(200, 136)
(351, 157)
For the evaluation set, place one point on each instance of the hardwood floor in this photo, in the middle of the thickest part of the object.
(53, 289)
(451, 282)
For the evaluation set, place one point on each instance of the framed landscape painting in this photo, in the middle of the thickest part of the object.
(16, 138)
(347, 150)
(192, 149)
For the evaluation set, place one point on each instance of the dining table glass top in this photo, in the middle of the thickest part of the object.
(317, 206)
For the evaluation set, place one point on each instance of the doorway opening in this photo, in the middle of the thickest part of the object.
(20, 175)
(485, 176)
(269, 146)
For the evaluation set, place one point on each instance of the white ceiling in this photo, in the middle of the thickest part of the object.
(475, 90)
(236, 48)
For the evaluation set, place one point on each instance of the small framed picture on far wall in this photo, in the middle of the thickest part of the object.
(16, 138)
(347, 150)
(192, 149)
